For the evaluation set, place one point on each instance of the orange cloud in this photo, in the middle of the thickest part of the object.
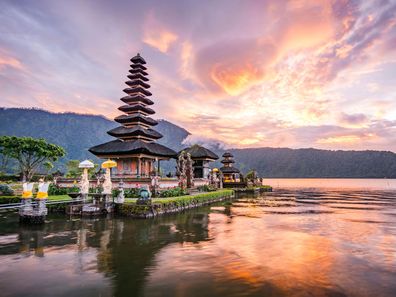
(236, 78)
(308, 23)
(156, 35)
(234, 67)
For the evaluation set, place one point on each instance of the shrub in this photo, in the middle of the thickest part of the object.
(56, 190)
(96, 190)
(173, 192)
(131, 193)
(5, 190)
(206, 188)
(9, 199)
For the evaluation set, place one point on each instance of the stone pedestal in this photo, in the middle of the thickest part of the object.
(33, 215)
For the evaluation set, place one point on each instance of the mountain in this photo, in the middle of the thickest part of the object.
(77, 132)
(285, 162)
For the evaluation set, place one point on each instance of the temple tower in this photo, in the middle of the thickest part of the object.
(230, 173)
(135, 148)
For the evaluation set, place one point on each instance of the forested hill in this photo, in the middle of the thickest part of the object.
(284, 162)
(76, 133)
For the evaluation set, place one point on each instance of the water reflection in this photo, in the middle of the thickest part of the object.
(286, 243)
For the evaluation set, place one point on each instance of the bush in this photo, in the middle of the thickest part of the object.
(131, 193)
(96, 190)
(173, 192)
(9, 199)
(5, 190)
(206, 188)
(54, 190)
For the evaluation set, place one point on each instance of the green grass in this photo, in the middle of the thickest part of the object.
(185, 199)
(59, 197)
(131, 208)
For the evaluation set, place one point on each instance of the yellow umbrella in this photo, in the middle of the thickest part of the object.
(109, 164)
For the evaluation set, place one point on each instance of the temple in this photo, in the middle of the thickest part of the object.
(230, 173)
(201, 157)
(135, 149)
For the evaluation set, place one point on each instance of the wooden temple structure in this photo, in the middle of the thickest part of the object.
(230, 173)
(135, 150)
(201, 157)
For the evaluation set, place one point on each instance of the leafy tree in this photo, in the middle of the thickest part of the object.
(4, 163)
(29, 153)
(251, 175)
(72, 169)
(48, 166)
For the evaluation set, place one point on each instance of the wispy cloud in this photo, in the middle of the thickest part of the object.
(300, 73)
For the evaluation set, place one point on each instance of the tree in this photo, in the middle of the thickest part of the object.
(72, 169)
(48, 166)
(29, 153)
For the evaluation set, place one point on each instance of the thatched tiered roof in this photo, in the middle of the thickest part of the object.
(135, 136)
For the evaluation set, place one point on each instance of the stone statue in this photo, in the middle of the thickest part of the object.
(121, 194)
(185, 170)
(154, 184)
(189, 171)
(107, 185)
(181, 170)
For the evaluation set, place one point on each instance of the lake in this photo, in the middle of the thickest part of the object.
(315, 240)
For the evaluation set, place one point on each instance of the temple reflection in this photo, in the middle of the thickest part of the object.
(274, 245)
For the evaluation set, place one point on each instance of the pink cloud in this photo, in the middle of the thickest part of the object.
(156, 34)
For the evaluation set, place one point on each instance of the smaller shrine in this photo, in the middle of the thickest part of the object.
(230, 173)
(201, 158)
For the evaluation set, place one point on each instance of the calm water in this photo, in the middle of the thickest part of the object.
(292, 242)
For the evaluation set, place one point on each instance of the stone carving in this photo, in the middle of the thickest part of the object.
(181, 170)
(121, 195)
(189, 171)
(185, 170)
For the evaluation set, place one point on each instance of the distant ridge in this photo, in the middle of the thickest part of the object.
(75, 132)
(312, 163)
(78, 132)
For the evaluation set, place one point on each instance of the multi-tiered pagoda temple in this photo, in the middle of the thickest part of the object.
(230, 173)
(135, 149)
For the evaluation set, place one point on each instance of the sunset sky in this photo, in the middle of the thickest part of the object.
(275, 73)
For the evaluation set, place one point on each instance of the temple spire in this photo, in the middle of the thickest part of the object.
(136, 123)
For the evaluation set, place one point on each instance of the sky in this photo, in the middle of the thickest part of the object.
(298, 74)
